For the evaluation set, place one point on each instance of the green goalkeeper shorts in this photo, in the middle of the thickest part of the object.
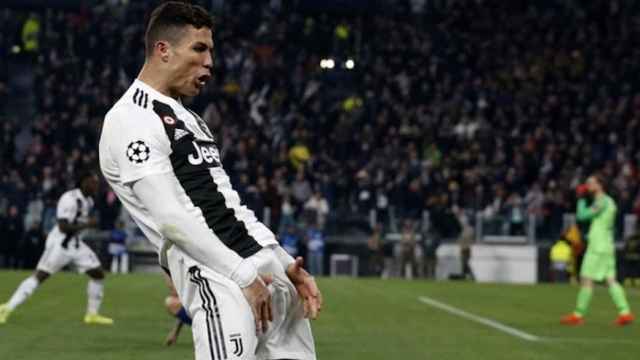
(598, 266)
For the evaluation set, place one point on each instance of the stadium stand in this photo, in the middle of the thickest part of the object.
(497, 107)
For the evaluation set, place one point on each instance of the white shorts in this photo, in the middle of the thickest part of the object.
(55, 257)
(223, 324)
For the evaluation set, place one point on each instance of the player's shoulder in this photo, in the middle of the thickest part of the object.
(134, 113)
(140, 105)
(132, 107)
(70, 195)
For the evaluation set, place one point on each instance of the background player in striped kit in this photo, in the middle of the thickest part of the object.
(65, 247)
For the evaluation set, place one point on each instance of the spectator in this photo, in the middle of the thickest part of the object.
(374, 247)
(410, 254)
(318, 208)
(290, 240)
(118, 249)
(13, 232)
(30, 34)
(631, 259)
(49, 214)
(300, 189)
(315, 249)
(32, 245)
(299, 155)
(288, 213)
(561, 261)
(365, 200)
(465, 241)
(515, 215)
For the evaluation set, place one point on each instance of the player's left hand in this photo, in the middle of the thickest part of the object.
(307, 288)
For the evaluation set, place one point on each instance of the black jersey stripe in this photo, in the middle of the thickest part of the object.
(203, 192)
(199, 186)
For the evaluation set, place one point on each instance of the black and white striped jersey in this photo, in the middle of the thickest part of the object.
(147, 133)
(73, 207)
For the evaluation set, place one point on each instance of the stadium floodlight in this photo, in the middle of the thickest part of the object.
(327, 63)
(349, 64)
(330, 63)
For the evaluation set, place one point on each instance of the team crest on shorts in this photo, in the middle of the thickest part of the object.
(236, 340)
(138, 152)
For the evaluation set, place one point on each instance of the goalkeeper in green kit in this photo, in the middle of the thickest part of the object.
(599, 262)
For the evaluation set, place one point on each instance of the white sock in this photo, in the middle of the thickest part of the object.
(22, 293)
(95, 290)
(114, 264)
(124, 263)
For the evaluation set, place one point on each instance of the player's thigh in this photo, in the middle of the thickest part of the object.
(594, 266)
(85, 259)
(223, 325)
(610, 268)
(54, 258)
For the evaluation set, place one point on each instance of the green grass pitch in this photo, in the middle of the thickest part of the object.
(362, 319)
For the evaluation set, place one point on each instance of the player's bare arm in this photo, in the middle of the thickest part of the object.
(307, 288)
(303, 281)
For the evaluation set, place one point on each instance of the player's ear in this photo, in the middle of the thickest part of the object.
(163, 48)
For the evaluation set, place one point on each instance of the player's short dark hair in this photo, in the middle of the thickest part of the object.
(169, 19)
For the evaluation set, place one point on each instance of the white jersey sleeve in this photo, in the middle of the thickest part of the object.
(138, 144)
(67, 208)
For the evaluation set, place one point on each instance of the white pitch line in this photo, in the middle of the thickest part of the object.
(479, 319)
(513, 331)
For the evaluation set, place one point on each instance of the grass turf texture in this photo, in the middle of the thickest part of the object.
(362, 319)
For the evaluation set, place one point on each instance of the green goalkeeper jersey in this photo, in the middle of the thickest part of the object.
(602, 214)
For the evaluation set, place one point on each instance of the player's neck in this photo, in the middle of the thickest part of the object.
(148, 75)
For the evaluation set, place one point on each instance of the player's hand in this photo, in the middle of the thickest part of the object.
(259, 298)
(307, 288)
(171, 339)
(582, 190)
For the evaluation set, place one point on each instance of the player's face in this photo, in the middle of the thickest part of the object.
(191, 61)
(593, 185)
(91, 184)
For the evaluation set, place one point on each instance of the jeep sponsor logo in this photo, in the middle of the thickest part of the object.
(204, 154)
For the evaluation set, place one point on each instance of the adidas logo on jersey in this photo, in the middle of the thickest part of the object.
(179, 134)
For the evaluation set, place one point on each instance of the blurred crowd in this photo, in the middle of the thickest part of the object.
(485, 107)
